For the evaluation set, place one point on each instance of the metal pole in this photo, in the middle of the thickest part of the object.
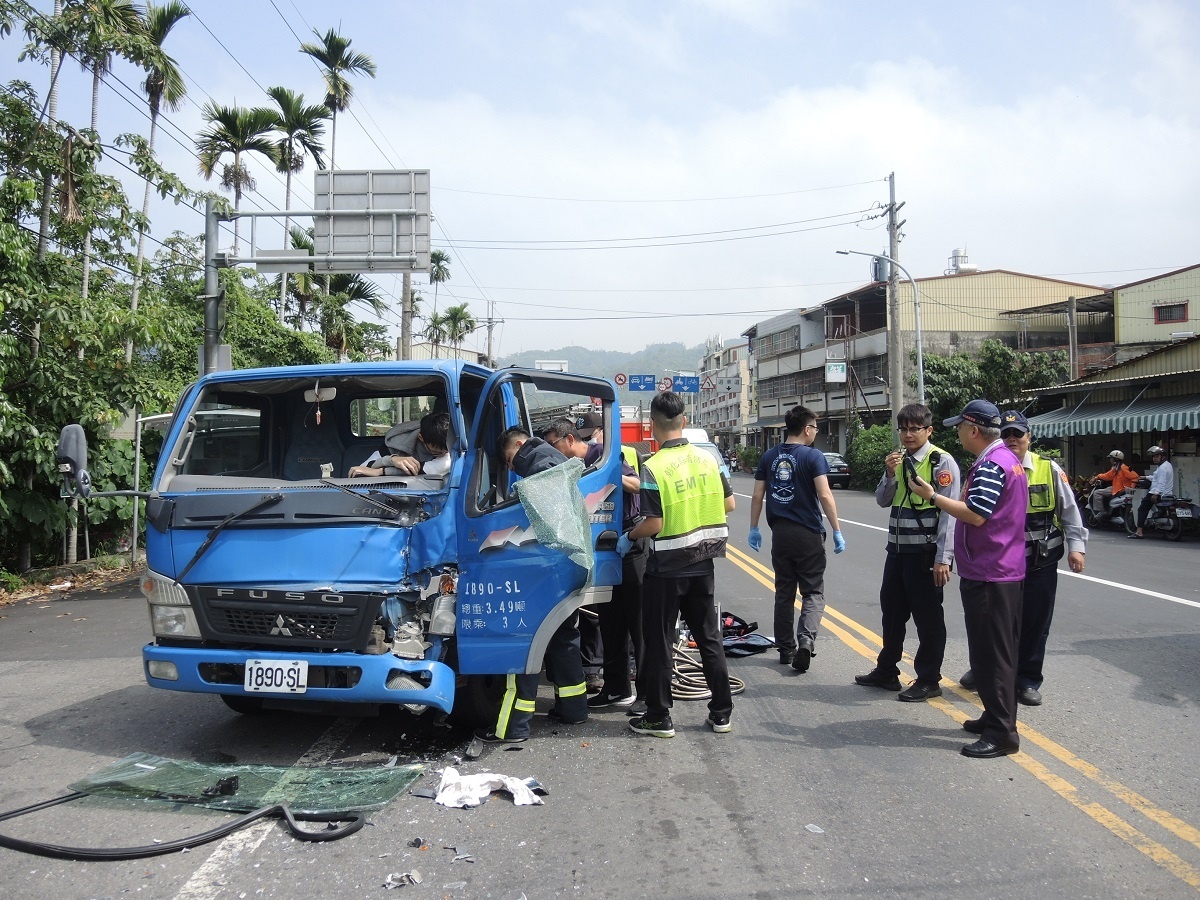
(211, 286)
(917, 322)
(137, 485)
(895, 345)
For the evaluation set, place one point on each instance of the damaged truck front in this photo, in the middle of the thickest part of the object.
(272, 575)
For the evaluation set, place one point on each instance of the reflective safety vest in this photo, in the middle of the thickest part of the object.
(629, 454)
(1041, 525)
(693, 507)
(913, 521)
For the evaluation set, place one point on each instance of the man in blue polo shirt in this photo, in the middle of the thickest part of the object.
(989, 550)
(792, 482)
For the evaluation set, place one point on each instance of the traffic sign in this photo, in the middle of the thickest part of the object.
(709, 384)
(666, 383)
(687, 384)
(619, 378)
(642, 383)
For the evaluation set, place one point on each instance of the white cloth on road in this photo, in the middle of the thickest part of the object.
(471, 790)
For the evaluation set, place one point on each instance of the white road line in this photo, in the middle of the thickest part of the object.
(207, 881)
(1127, 587)
(1112, 584)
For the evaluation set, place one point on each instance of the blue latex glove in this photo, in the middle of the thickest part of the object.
(755, 538)
(839, 542)
(624, 544)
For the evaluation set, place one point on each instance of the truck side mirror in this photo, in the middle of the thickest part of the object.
(72, 462)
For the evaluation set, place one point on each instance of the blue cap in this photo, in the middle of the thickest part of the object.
(977, 412)
(1016, 420)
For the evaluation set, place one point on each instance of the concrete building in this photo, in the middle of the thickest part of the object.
(1148, 393)
(832, 358)
(723, 408)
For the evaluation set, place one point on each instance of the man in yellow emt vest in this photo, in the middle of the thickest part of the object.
(1052, 521)
(684, 500)
(920, 554)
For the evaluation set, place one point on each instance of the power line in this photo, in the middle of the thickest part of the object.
(744, 237)
(833, 187)
(664, 237)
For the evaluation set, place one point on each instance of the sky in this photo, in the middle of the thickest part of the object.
(617, 174)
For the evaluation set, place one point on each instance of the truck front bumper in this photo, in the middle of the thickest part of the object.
(333, 677)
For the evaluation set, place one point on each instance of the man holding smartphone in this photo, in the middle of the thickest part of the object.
(920, 553)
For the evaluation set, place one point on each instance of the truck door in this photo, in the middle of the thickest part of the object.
(513, 591)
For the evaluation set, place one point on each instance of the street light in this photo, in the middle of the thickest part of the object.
(917, 313)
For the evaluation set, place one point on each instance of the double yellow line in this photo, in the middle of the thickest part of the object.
(852, 634)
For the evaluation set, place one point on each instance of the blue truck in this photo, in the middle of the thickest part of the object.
(272, 576)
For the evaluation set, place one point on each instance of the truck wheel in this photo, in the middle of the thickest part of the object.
(1175, 532)
(477, 700)
(247, 706)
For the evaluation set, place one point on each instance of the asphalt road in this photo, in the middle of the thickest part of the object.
(823, 787)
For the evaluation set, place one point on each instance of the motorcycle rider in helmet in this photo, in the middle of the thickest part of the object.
(1162, 484)
(1120, 478)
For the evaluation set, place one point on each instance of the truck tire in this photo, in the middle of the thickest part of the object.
(247, 706)
(477, 700)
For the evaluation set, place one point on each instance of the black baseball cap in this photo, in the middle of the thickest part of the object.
(977, 412)
(588, 424)
(1015, 420)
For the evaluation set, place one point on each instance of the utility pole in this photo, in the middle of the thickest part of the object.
(491, 323)
(1072, 339)
(406, 317)
(895, 347)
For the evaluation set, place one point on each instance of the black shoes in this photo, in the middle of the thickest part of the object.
(661, 729)
(982, 749)
(804, 654)
(968, 680)
(604, 699)
(1029, 696)
(974, 726)
(719, 724)
(918, 691)
(878, 679)
(490, 737)
(786, 657)
(555, 716)
(637, 709)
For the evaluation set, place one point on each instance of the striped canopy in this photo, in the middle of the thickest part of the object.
(1120, 417)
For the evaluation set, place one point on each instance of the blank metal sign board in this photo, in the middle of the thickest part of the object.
(374, 221)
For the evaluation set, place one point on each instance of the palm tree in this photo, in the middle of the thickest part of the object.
(437, 330)
(235, 130)
(333, 53)
(300, 130)
(439, 271)
(104, 27)
(459, 323)
(163, 85)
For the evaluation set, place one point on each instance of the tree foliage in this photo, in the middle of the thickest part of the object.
(999, 374)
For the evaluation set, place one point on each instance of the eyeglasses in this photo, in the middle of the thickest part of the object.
(1011, 433)
(814, 427)
(915, 429)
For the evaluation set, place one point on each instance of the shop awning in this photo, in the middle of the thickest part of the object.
(1120, 417)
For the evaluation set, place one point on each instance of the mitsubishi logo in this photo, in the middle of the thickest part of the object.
(281, 627)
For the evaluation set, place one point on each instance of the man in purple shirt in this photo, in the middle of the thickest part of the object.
(989, 549)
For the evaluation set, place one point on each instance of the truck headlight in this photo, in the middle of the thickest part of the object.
(171, 613)
(173, 621)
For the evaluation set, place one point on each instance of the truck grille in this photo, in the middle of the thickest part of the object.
(259, 623)
(270, 618)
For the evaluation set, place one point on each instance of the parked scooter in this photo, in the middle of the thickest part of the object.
(1114, 514)
(1167, 516)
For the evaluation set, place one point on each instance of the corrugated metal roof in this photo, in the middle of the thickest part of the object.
(1119, 417)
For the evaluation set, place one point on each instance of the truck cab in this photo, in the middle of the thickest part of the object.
(273, 575)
